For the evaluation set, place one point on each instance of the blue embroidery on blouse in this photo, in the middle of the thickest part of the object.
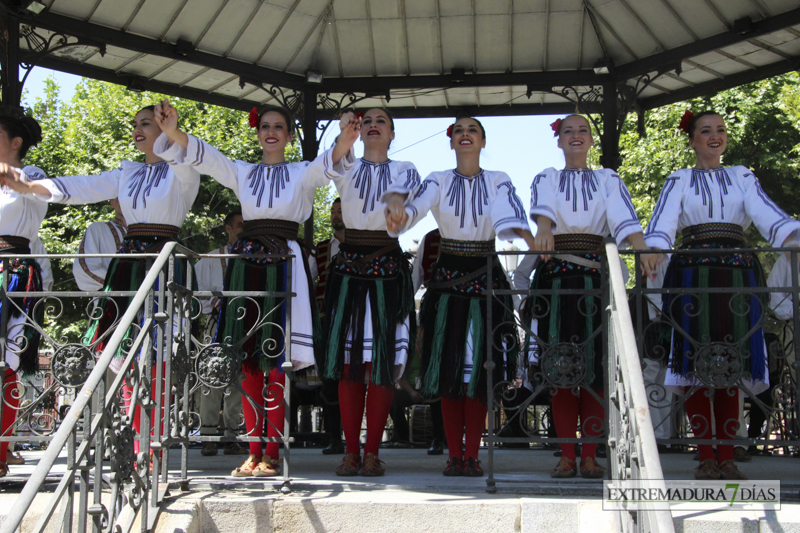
(458, 196)
(363, 182)
(146, 178)
(276, 175)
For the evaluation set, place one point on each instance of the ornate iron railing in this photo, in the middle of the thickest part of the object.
(114, 485)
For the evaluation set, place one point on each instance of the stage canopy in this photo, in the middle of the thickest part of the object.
(419, 58)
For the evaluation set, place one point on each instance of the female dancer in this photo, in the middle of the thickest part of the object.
(575, 209)
(472, 206)
(369, 298)
(20, 219)
(276, 197)
(154, 197)
(712, 206)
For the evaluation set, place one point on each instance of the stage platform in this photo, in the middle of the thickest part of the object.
(415, 497)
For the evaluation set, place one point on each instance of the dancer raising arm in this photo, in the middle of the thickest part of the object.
(276, 197)
(472, 206)
(369, 297)
(20, 219)
(576, 209)
(154, 198)
(712, 206)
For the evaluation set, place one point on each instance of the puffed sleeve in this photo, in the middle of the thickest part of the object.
(37, 247)
(90, 272)
(209, 278)
(664, 222)
(773, 223)
(620, 213)
(200, 156)
(316, 173)
(543, 195)
(340, 169)
(507, 212)
(418, 204)
(781, 276)
(83, 189)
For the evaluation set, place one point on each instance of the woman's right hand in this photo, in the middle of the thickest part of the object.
(350, 126)
(10, 178)
(395, 212)
(543, 240)
(651, 262)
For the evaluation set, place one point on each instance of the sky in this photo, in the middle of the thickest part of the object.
(519, 146)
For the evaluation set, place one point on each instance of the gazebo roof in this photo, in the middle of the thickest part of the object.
(420, 57)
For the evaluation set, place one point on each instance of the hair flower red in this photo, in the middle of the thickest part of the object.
(359, 115)
(554, 126)
(450, 130)
(253, 118)
(686, 121)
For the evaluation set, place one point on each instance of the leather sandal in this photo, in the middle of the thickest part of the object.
(707, 469)
(591, 470)
(729, 470)
(455, 467)
(247, 468)
(350, 465)
(472, 468)
(268, 467)
(564, 469)
(372, 466)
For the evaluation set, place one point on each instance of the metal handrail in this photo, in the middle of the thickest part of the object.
(635, 402)
(62, 435)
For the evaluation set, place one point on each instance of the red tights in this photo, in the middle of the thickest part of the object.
(464, 419)
(726, 418)
(566, 409)
(253, 385)
(10, 405)
(127, 392)
(353, 396)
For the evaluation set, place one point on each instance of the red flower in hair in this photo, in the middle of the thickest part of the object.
(253, 118)
(686, 121)
(359, 115)
(450, 130)
(554, 126)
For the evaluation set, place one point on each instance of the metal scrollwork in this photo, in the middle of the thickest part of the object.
(180, 365)
(72, 365)
(119, 443)
(217, 366)
(719, 365)
(563, 365)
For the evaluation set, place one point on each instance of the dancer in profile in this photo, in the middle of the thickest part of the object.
(154, 198)
(20, 219)
(472, 206)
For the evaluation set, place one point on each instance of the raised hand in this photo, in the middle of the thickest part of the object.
(166, 117)
(350, 126)
(9, 177)
(395, 212)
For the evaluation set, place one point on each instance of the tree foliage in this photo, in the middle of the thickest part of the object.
(91, 133)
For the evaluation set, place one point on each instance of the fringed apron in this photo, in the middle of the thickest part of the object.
(370, 274)
(453, 314)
